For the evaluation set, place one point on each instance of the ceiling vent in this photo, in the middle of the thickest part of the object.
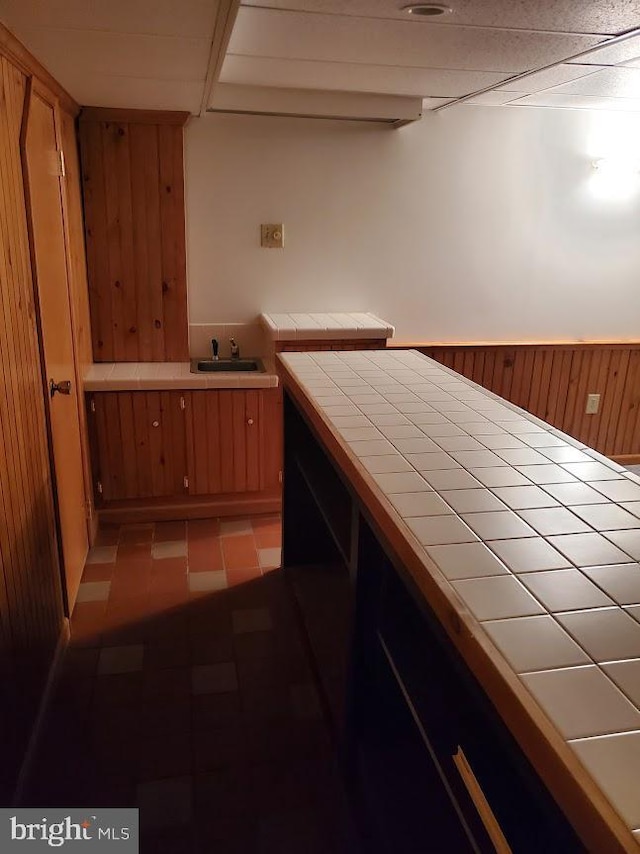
(394, 110)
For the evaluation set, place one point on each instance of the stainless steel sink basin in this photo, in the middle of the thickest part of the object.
(206, 366)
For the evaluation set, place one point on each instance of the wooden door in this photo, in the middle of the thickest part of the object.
(140, 444)
(232, 441)
(44, 194)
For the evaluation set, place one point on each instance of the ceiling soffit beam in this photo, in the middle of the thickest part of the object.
(396, 110)
(621, 37)
(225, 19)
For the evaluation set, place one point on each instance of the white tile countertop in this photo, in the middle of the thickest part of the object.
(538, 535)
(319, 326)
(140, 376)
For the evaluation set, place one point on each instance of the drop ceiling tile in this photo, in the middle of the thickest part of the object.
(549, 78)
(335, 38)
(135, 93)
(607, 82)
(432, 103)
(596, 16)
(624, 51)
(579, 102)
(496, 98)
(354, 76)
(188, 18)
(71, 54)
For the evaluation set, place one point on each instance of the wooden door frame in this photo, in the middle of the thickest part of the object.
(35, 87)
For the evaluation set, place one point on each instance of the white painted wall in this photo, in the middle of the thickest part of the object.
(475, 224)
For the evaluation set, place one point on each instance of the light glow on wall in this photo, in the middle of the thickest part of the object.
(614, 146)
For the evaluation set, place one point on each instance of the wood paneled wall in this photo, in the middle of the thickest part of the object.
(133, 185)
(31, 608)
(553, 381)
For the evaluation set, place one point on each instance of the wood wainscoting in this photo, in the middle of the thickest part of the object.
(552, 381)
(133, 184)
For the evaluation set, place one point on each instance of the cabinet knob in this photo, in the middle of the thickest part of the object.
(155, 423)
(250, 422)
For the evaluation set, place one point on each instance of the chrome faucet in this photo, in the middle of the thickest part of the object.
(235, 350)
(214, 348)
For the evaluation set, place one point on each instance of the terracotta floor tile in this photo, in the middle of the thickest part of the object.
(235, 527)
(87, 623)
(108, 535)
(239, 552)
(171, 714)
(167, 755)
(212, 711)
(169, 580)
(170, 682)
(204, 555)
(206, 649)
(133, 551)
(98, 572)
(136, 534)
(169, 566)
(236, 577)
(80, 663)
(128, 586)
(202, 529)
(120, 689)
(218, 748)
(167, 654)
(168, 531)
(165, 602)
(268, 538)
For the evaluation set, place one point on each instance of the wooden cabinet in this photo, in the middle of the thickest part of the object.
(179, 453)
(132, 168)
(233, 440)
(140, 444)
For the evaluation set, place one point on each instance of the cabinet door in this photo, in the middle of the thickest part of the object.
(232, 441)
(140, 444)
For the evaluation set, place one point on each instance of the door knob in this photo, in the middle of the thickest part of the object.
(250, 422)
(63, 387)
